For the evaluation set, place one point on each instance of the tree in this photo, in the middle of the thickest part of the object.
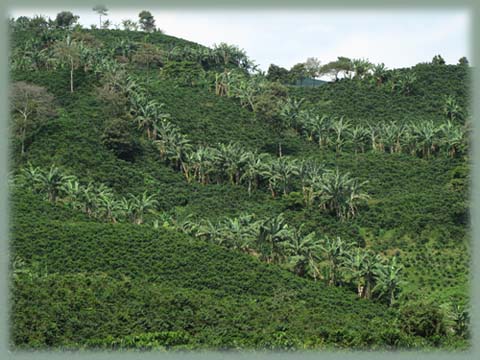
(277, 73)
(67, 52)
(453, 138)
(452, 109)
(106, 24)
(388, 280)
(148, 115)
(268, 103)
(313, 67)
(33, 105)
(108, 206)
(340, 194)
(438, 60)
(304, 253)
(337, 67)
(298, 72)
(457, 317)
(254, 164)
(334, 251)
(118, 136)
(361, 67)
(284, 169)
(148, 55)
(363, 265)
(140, 205)
(405, 83)
(31, 177)
(273, 232)
(100, 10)
(379, 73)
(129, 25)
(463, 61)
(65, 19)
(340, 127)
(52, 182)
(231, 55)
(291, 110)
(423, 318)
(146, 20)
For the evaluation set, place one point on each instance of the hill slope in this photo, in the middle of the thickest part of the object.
(176, 291)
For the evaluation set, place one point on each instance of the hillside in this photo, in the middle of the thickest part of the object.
(197, 266)
(163, 281)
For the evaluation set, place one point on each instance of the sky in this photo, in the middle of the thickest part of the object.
(397, 38)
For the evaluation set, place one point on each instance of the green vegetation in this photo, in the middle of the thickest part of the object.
(169, 196)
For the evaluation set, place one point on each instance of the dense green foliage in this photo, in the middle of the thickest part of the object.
(158, 120)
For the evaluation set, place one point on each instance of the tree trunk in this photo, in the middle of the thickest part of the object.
(24, 135)
(71, 77)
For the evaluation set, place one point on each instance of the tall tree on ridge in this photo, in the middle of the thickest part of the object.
(100, 10)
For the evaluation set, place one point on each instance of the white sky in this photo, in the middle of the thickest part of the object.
(398, 38)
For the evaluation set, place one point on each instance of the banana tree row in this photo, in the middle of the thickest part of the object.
(96, 200)
(419, 138)
(233, 164)
(332, 260)
(270, 240)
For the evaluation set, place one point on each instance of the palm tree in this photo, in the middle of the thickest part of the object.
(374, 137)
(126, 209)
(31, 177)
(185, 223)
(222, 82)
(334, 194)
(253, 168)
(356, 196)
(388, 280)
(273, 232)
(166, 134)
(457, 317)
(269, 173)
(379, 73)
(400, 132)
(425, 133)
(451, 109)
(209, 231)
(363, 265)
(141, 205)
(339, 127)
(453, 138)
(389, 133)
(238, 233)
(359, 136)
(303, 253)
(231, 158)
(285, 169)
(148, 116)
(322, 126)
(361, 67)
(405, 83)
(201, 163)
(340, 193)
(109, 207)
(334, 251)
(72, 191)
(311, 178)
(290, 111)
(89, 199)
(177, 148)
(51, 182)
